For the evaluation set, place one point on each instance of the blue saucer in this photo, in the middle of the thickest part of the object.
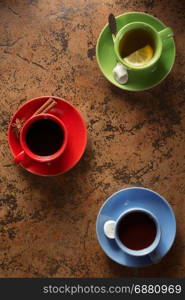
(130, 198)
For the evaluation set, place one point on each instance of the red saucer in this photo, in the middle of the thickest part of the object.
(77, 136)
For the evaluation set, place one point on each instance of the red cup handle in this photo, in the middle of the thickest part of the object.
(20, 157)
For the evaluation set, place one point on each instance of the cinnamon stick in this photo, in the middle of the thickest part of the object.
(45, 107)
(49, 107)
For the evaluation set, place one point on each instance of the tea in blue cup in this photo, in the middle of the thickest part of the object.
(137, 232)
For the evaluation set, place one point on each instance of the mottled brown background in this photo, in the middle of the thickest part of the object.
(47, 225)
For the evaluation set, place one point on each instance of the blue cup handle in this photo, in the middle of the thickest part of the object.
(155, 257)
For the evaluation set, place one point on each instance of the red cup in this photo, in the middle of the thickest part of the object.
(27, 153)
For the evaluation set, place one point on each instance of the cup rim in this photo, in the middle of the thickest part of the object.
(144, 251)
(31, 154)
(156, 56)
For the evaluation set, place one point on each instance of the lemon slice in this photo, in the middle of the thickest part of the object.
(140, 57)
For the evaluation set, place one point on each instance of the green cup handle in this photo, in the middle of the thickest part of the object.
(166, 33)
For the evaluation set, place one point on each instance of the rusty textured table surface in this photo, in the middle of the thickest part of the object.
(47, 225)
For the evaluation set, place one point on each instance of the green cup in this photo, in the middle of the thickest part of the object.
(158, 41)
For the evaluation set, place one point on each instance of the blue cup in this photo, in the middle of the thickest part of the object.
(111, 230)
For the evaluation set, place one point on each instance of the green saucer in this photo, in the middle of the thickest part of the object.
(107, 59)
